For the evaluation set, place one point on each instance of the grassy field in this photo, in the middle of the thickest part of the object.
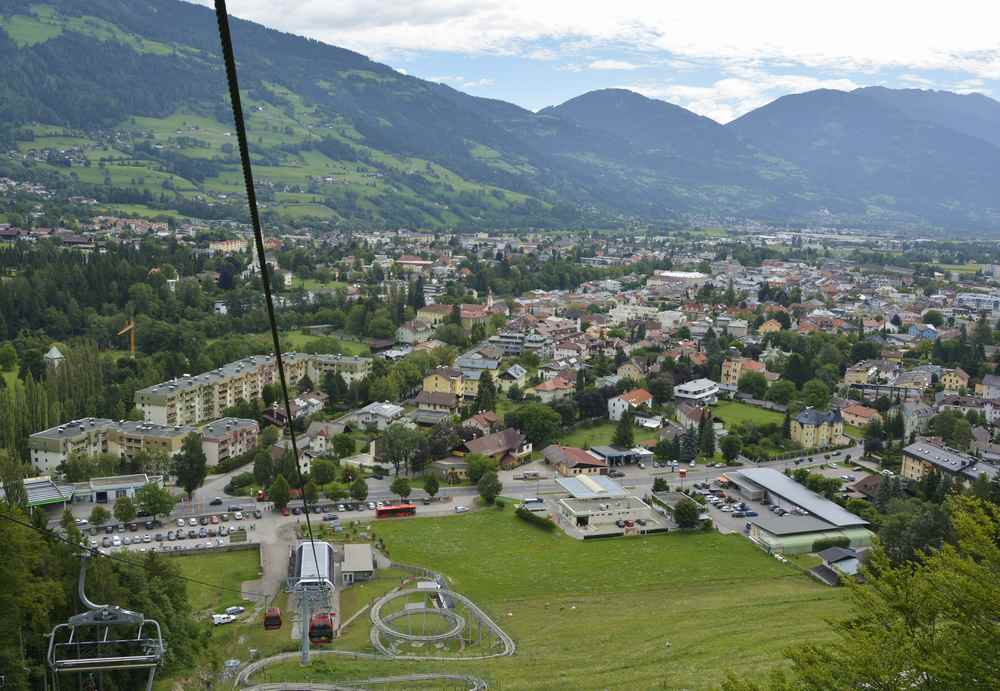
(734, 412)
(670, 611)
(601, 434)
(230, 568)
(854, 432)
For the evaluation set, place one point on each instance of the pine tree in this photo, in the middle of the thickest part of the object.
(786, 425)
(624, 436)
(707, 438)
(486, 395)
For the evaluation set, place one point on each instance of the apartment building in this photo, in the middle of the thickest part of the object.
(49, 448)
(228, 438)
(192, 400)
(129, 438)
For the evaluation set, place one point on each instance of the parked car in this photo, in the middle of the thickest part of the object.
(116, 541)
(106, 541)
(296, 511)
(341, 507)
(214, 520)
(461, 509)
(236, 610)
(181, 523)
(284, 511)
(158, 537)
(752, 513)
(223, 531)
(170, 536)
(192, 534)
(80, 521)
(371, 506)
(219, 619)
(204, 520)
(203, 532)
(238, 516)
(128, 540)
(257, 513)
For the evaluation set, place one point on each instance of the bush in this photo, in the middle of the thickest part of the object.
(501, 504)
(542, 522)
(828, 542)
(238, 482)
(233, 462)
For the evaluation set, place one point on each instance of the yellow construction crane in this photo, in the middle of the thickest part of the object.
(129, 328)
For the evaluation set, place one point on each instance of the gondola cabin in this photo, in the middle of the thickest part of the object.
(272, 619)
(321, 628)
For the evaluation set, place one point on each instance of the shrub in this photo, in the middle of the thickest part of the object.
(828, 542)
(543, 522)
(501, 504)
(238, 482)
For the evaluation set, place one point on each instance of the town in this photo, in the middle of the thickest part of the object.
(785, 389)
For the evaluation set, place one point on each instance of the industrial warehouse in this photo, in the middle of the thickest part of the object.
(792, 518)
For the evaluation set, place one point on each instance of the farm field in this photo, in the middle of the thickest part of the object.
(734, 413)
(670, 611)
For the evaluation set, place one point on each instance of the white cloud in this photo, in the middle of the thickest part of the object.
(854, 35)
(613, 65)
(727, 99)
(460, 82)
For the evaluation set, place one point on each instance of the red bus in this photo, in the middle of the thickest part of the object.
(272, 618)
(396, 511)
(321, 628)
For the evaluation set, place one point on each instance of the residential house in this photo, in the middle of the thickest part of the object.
(924, 332)
(486, 422)
(445, 380)
(508, 447)
(515, 374)
(916, 417)
(814, 428)
(629, 402)
(569, 460)
(954, 379)
(859, 415)
(378, 415)
(989, 387)
(434, 315)
(634, 369)
(414, 331)
(554, 389)
(769, 327)
(690, 414)
(702, 391)
(438, 401)
(733, 369)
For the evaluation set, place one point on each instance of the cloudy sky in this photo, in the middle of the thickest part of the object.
(719, 58)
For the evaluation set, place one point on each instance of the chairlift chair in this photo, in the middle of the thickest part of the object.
(105, 638)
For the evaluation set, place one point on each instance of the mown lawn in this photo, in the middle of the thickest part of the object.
(229, 569)
(599, 435)
(734, 413)
(667, 612)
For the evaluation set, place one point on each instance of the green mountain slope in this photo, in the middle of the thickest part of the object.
(126, 102)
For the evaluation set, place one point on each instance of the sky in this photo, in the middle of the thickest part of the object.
(717, 58)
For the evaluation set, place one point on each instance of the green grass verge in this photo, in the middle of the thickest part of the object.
(670, 611)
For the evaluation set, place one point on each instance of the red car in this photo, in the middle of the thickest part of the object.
(284, 510)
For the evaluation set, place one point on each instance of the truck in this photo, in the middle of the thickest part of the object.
(529, 475)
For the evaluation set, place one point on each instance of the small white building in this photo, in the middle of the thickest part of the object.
(701, 391)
